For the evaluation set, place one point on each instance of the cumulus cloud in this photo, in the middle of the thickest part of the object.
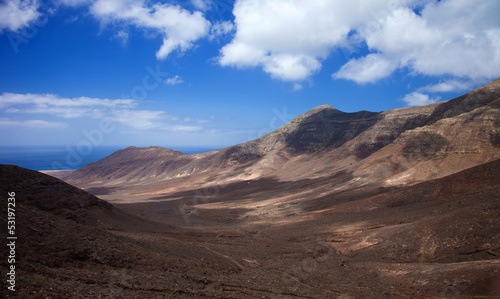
(418, 99)
(289, 39)
(174, 80)
(179, 27)
(16, 14)
(457, 38)
(367, 69)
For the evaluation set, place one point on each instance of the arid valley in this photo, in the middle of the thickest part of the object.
(403, 203)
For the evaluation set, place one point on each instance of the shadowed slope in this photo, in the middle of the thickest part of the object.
(72, 244)
(392, 148)
(434, 239)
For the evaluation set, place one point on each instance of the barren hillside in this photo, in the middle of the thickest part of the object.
(265, 239)
(391, 148)
(399, 204)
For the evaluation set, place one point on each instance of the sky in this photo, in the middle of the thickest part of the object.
(214, 73)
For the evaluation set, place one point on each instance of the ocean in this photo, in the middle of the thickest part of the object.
(62, 157)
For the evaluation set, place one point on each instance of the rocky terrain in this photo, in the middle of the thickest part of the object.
(390, 148)
(401, 203)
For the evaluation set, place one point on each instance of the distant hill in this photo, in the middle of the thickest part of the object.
(390, 148)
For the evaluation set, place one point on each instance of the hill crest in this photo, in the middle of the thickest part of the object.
(417, 143)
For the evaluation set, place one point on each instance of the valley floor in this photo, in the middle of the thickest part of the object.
(438, 239)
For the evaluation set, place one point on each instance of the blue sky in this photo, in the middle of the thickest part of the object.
(213, 73)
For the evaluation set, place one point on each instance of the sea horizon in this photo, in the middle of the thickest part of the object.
(62, 157)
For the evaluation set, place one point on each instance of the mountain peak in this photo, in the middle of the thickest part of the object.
(325, 106)
(321, 108)
(318, 109)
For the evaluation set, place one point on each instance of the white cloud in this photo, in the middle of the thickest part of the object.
(59, 106)
(34, 124)
(179, 27)
(291, 67)
(174, 80)
(62, 107)
(449, 86)
(453, 37)
(221, 28)
(122, 36)
(289, 39)
(418, 99)
(16, 14)
(122, 111)
(297, 86)
(367, 69)
(139, 119)
(202, 4)
(65, 112)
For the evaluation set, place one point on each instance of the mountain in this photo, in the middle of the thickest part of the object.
(390, 148)
(401, 203)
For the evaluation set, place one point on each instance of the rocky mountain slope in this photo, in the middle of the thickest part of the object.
(390, 148)
(401, 203)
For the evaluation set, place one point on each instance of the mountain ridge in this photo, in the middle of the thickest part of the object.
(375, 147)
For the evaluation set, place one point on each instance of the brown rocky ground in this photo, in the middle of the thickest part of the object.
(261, 239)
